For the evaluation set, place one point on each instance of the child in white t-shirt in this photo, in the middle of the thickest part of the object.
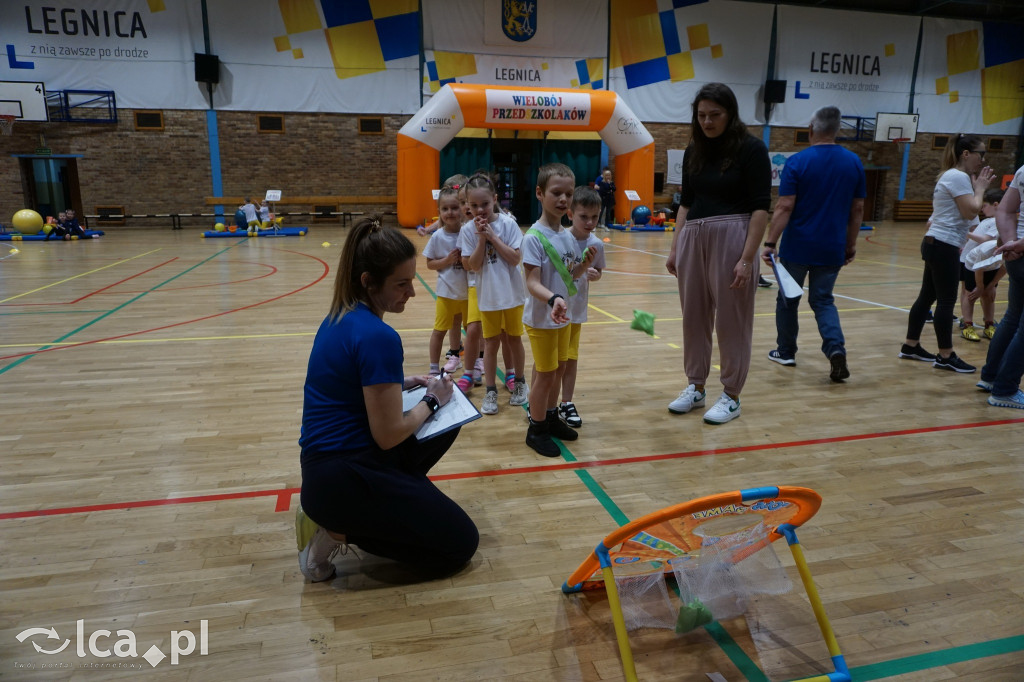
(490, 247)
(981, 283)
(549, 257)
(443, 255)
(584, 211)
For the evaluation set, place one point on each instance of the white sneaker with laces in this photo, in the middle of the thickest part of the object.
(490, 405)
(316, 558)
(687, 400)
(520, 394)
(725, 410)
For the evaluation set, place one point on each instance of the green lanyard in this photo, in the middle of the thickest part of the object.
(556, 260)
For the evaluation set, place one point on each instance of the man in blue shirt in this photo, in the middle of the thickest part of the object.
(820, 207)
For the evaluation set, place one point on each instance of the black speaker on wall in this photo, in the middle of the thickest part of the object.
(774, 92)
(207, 68)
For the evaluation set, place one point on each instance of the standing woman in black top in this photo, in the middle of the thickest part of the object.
(726, 193)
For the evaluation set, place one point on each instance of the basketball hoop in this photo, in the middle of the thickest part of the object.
(7, 124)
(900, 143)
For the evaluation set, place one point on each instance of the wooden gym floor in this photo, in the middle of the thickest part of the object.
(151, 387)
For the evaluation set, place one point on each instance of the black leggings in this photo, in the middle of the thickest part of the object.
(383, 502)
(939, 285)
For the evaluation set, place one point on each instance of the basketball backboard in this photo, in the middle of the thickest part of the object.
(890, 127)
(24, 100)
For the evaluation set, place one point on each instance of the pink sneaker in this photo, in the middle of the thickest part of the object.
(478, 371)
(464, 383)
(452, 362)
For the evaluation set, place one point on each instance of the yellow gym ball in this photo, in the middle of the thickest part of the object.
(27, 221)
(219, 227)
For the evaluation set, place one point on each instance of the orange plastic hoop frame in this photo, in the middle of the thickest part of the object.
(806, 500)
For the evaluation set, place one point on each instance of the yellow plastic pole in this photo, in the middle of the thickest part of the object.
(628, 666)
(816, 605)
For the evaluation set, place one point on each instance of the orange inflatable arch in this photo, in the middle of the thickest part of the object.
(462, 105)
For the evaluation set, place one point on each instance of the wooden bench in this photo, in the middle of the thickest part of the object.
(322, 208)
(918, 211)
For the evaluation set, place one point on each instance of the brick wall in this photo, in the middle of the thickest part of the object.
(319, 154)
(169, 171)
(921, 171)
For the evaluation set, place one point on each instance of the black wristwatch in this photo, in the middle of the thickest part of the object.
(431, 402)
(769, 245)
(551, 301)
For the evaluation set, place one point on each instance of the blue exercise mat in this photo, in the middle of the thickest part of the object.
(41, 237)
(280, 232)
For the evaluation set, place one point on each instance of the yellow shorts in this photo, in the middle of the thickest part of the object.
(574, 340)
(445, 312)
(509, 321)
(474, 309)
(549, 347)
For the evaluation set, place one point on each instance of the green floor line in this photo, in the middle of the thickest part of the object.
(123, 305)
(935, 659)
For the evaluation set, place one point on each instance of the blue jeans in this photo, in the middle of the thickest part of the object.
(822, 280)
(1004, 364)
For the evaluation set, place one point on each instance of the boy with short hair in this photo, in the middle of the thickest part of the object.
(981, 283)
(584, 211)
(549, 252)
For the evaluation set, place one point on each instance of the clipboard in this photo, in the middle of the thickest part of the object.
(790, 289)
(456, 413)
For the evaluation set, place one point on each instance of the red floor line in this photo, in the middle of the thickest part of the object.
(273, 271)
(110, 286)
(284, 495)
(177, 324)
(93, 293)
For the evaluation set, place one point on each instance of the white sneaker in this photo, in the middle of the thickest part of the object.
(315, 560)
(520, 394)
(490, 405)
(725, 410)
(687, 400)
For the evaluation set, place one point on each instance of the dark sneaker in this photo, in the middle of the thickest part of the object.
(915, 353)
(559, 429)
(777, 356)
(763, 283)
(538, 438)
(953, 363)
(928, 317)
(839, 371)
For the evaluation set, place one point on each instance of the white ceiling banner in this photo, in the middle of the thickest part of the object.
(970, 78)
(141, 50)
(442, 68)
(661, 55)
(352, 57)
(861, 62)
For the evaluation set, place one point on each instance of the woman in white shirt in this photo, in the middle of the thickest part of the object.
(956, 201)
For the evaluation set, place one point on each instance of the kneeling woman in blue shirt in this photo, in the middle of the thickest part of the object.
(364, 474)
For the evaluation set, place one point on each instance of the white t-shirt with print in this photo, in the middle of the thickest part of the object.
(537, 314)
(578, 303)
(947, 224)
(499, 284)
(451, 281)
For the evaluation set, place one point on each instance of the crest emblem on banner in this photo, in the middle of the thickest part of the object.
(519, 19)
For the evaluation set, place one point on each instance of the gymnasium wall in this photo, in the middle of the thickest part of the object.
(322, 62)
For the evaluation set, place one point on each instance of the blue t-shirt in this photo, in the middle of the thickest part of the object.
(357, 350)
(825, 179)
